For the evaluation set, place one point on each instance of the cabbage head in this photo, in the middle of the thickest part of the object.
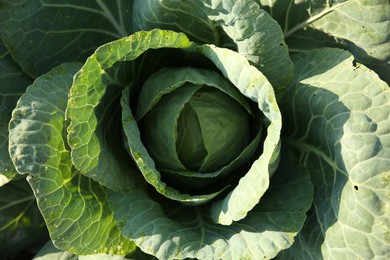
(229, 129)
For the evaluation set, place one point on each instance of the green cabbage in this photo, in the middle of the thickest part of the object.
(214, 129)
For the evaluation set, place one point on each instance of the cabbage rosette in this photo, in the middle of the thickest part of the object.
(200, 148)
(195, 135)
(166, 140)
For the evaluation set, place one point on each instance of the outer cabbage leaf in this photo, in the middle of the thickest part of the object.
(170, 230)
(42, 34)
(74, 207)
(255, 86)
(337, 116)
(252, 31)
(184, 16)
(49, 252)
(87, 134)
(13, 82)
(361, 26)
(21, 224)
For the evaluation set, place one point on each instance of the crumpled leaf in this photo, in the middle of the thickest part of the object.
(171, 230)
(361, 26)
(74, 207)
(13, 83)
(21, 224)
(337, 118)
(43, 34)
(240, 25)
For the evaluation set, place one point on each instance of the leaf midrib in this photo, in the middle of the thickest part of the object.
(310, 20)
(306, 148)
(16, 202)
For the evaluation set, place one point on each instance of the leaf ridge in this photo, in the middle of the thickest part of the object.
(311, 19)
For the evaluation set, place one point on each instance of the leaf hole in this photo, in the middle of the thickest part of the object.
(281, 44)
(356, 187)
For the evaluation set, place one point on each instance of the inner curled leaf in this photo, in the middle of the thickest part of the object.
(209, 128)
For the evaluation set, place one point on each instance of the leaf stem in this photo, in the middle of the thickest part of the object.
(201, 226)
(287, 17)
(16, 219)
(107, 13)
(121, 18)
(307, 148)
(16, 202)
(308, 21)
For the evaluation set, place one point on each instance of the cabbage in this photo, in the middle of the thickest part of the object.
(195, 129)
